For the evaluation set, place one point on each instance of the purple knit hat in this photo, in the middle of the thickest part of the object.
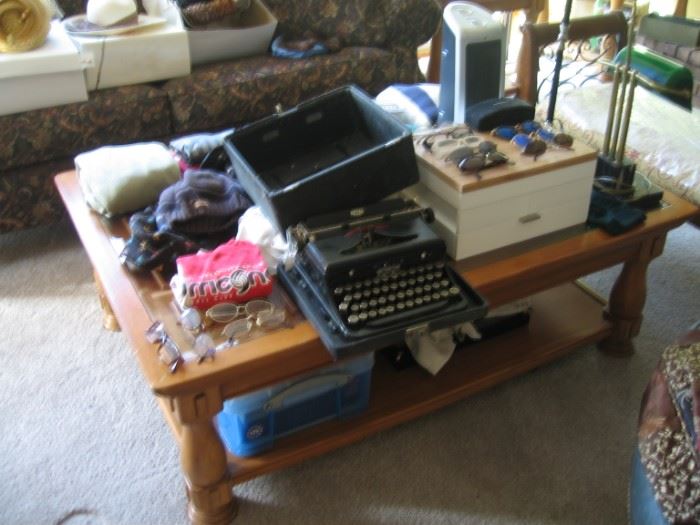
(203, 202)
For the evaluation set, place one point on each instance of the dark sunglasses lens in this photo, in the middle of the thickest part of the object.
(474, 163)
(564, 140)
(459, 153)
(486, 147)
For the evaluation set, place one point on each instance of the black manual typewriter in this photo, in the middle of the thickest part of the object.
(366, 276)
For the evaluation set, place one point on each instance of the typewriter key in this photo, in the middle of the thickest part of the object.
(372, 314)
(354, 307)
(362, 316)
(435, 296)
(418, 301)
(390, 309)
(453, 291)
(381, 312)
(409, 304)
(400, 306)
(381, 300)
(353, 319)
(338, 291)
(373, 303)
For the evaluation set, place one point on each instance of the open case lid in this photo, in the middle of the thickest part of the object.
(336, 151)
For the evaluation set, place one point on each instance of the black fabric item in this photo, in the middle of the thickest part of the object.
(494, 112)
(204, 202)
(148, 248)
(613, 215)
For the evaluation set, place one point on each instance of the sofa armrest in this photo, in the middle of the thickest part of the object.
(411, 23)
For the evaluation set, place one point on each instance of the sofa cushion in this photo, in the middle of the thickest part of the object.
(113, 116)
(220, 95)
(354, 22)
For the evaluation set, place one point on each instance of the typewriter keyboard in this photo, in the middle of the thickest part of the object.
(394, 294)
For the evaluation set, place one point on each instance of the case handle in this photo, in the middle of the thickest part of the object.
(336, 379)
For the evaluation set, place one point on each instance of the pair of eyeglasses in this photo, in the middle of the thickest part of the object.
(168, 351)
(446, 137)
(240, 319)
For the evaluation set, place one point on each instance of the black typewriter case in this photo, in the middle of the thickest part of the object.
(335, 151)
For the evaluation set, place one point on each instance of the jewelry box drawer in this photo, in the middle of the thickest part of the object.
(491, 218)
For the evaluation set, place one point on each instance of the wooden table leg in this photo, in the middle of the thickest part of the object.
(203, 459)
(627, 299)
(109, 321)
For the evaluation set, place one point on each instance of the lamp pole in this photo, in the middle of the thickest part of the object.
(563, 37)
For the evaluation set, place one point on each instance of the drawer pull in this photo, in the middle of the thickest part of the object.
(529, 218)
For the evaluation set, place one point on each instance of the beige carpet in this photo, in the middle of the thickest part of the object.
(82, 440)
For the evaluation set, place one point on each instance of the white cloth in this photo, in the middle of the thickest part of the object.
(255, 227)
(415, 112)
(431, 350)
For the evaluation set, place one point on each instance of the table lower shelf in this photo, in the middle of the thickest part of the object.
(563, 319)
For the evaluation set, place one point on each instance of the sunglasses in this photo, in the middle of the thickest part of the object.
(562, 140)
(529, 145)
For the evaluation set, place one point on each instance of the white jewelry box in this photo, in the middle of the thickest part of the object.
(506, 204)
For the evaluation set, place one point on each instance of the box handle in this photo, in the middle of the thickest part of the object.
(335, 379)
(529, 218)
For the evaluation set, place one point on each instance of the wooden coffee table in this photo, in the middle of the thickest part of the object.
(565, 316)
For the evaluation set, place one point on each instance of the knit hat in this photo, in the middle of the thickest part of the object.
(203, 202)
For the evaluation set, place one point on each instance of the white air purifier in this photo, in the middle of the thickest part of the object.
(473, 59)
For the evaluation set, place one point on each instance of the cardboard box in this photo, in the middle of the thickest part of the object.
(336, 151)
(146, 55)
(251, 37)
(48, 76)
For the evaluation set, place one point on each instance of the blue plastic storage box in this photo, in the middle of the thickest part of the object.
(249, 424)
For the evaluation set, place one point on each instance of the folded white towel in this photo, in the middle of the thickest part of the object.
(122, 179)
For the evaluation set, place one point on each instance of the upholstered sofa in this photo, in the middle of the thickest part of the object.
(378, 47)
